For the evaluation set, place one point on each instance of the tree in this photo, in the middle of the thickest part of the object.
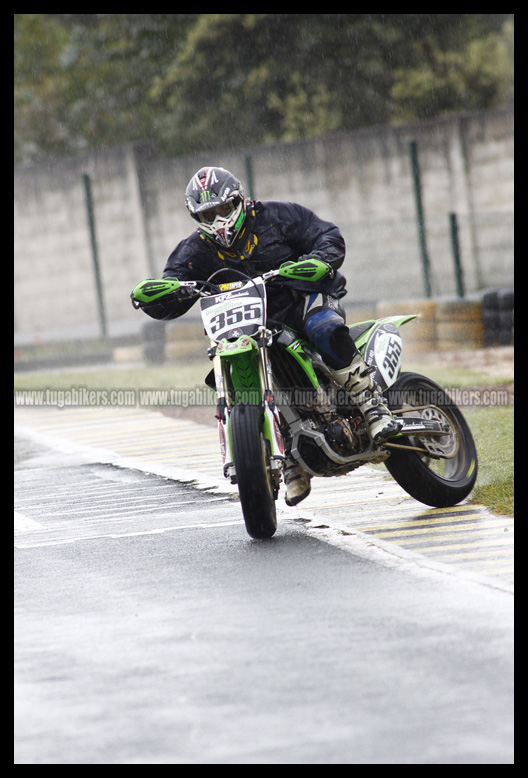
(82, 80)
(195, 82)
(478, 75)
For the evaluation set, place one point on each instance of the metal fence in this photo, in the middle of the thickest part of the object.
(465, 254)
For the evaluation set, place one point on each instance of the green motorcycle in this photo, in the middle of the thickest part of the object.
(276, 397)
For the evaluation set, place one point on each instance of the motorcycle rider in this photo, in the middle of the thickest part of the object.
(255, 237)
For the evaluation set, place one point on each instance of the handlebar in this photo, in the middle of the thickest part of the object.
(149, 291)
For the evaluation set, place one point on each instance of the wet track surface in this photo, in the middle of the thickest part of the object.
(466, 538)
(150, 629)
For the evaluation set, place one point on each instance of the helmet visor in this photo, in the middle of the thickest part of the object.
(224, 210)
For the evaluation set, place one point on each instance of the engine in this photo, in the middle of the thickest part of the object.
(341, 437)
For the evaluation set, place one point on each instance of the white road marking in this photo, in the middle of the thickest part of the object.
(25, 524)
(337, 511)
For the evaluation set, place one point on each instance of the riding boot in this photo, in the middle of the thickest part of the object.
(297, 483)
(357, 381)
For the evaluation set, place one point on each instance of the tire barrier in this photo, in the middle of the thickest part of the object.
(456, 323)
(459, 324)
(153, 333)
(170, 341)
(420, 335)
(442, 325)
(497, 317)
(185, 340)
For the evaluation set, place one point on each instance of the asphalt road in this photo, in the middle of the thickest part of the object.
(150, 629)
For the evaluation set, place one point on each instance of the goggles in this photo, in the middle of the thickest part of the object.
(224, 210)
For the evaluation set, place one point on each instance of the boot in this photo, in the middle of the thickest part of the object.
(358, 382)
(297, 483)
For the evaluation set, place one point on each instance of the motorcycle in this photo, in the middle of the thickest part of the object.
(277, 398)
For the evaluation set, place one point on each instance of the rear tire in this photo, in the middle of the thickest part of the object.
(252, 465)
(432, 479)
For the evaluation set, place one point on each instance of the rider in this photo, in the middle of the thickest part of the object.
(253, 236)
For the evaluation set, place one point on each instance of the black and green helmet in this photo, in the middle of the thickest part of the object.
(215, 199)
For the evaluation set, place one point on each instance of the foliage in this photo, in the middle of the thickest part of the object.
(193, 82)
(479, 74)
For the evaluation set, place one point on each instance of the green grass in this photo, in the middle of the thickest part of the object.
(492, 427)
(455, 376)
(493, 430)
(184, 375)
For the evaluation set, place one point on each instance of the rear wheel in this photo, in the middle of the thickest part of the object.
(252, 464)
(443, 470)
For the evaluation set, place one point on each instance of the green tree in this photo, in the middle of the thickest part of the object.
(38, 51)
(478, 75)
(82, 80)
(195, 82)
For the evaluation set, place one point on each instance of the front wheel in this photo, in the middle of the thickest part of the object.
(252, 464)
(442, 470)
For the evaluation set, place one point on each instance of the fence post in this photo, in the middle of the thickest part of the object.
(420, 217)
(249, 176)
(455, 245)
(95, 254)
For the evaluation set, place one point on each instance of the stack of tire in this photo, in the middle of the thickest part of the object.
(419, 335)
(459, 323)
(497, 317)
(154, 342)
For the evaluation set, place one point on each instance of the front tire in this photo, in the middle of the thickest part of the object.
(252, 465)
(444, 472)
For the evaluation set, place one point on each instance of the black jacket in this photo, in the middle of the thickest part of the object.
(283, 231)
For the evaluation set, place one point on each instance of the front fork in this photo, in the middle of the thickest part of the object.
(222, 416)
(271, 423)
(271, 426)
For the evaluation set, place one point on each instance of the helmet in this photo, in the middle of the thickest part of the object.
(215, 199)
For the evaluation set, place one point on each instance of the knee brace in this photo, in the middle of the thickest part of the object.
(326, 329)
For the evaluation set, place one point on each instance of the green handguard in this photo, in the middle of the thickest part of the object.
(310, 269)
(153, 288)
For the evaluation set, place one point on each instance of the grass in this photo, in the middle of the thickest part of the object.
(492, 427)
(455, 376)
(493, 430)
(183, 375)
